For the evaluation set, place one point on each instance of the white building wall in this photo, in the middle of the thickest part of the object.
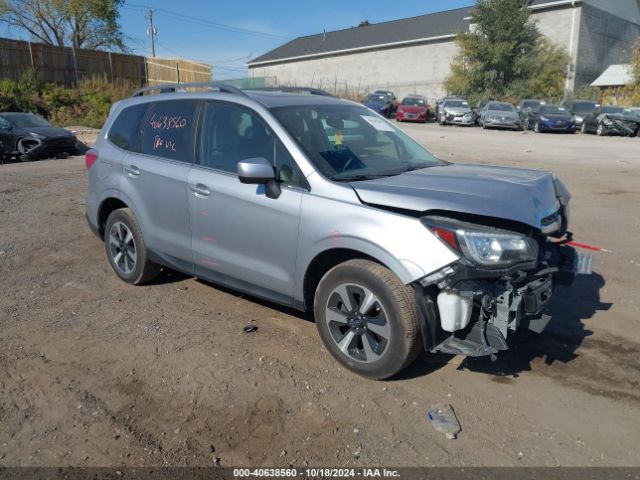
(418, 69)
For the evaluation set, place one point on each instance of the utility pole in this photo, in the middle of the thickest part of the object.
(151, 31)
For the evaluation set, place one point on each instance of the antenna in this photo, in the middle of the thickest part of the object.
(151, 31)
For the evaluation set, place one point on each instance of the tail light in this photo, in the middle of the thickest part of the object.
(90, 158)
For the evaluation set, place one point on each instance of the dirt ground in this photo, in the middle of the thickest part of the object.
(94, 372)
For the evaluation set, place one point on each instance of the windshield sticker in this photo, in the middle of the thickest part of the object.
(377, 123)
(338, 138)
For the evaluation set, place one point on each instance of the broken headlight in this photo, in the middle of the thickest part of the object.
(485, 246)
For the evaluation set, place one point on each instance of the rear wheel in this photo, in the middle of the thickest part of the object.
(367, 319)
(126, 250)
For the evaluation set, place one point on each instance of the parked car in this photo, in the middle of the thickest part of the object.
(456, 112)
(379, 103)
(500, 115)
(612, 121)
(392, 97)
(439, 103)
(477, 110)
(28, 137)
(529, 109)
(413, 108)
(580, 109)
(319, 204)
(552, 118)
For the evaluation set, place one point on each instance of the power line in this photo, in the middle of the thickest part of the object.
(207, 23)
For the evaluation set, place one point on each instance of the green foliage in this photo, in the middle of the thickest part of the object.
(505, 57)
(87, 104)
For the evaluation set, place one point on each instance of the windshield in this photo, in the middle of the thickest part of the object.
(456, 104)
(413, 101)
(376, 98)
(501, 107)
(612, 110)
(26, 120)
(348, 142)
(533, 104)
(583, 107)
(551, 109)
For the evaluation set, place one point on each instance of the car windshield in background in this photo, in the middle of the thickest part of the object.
(584, 107)
(613, 110)
(456, 104)
(375, 98)
(532, 105)
(551, 109)
(501, 107)
(348, 142)
(26, 120)
(413, 101)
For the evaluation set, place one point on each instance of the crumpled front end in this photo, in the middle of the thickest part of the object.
(502, 283)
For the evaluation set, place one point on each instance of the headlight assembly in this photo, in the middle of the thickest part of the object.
(484, 246)
(37, 135)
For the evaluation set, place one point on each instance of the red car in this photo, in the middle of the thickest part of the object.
(413, 108)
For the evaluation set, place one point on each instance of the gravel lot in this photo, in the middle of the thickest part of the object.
(94, 372)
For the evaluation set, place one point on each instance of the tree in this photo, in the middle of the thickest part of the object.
(505, 57)
(89, 24)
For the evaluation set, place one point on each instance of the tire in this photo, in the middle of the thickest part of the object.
(128, 255)
(376, 352)
(536, 127)
(600, 131)
(583, 129)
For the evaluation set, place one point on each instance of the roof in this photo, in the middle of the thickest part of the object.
(614, 76)
(395, 33)
(280, 99)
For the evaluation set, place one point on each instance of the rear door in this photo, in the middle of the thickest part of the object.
(155, 179)
(242, 238)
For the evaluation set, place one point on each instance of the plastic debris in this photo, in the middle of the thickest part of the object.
(250, 328)
(444, 420)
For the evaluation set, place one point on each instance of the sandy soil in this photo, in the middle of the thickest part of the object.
(96, 372)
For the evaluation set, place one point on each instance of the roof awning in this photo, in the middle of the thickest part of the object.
(614, 76)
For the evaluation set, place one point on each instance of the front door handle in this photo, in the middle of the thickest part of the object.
(132, 171)
(200, 190)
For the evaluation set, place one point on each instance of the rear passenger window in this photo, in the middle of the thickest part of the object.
(169, 130)
(125, 131)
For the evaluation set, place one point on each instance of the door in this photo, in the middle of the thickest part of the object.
(155, 180)
(242, 238)
(6, 137)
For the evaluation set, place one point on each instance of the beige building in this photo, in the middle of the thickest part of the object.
(413, 55)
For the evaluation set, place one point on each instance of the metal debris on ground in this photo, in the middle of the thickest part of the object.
(250, 328)
(444, 420)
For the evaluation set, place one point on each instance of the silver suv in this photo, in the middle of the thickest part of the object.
(318, 203)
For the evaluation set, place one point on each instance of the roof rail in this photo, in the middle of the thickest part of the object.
(176, 87)
(309, 90)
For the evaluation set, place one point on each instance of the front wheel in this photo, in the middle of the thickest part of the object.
(601, 132)
(367, 319)
(536, 127)
(583, 129)
(126, 250)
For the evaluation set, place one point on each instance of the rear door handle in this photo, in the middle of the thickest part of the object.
(132, 171)
(200, 190)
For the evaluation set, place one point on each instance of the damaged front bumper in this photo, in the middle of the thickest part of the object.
(473, 312)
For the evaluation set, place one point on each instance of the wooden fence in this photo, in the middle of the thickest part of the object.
(66, 65)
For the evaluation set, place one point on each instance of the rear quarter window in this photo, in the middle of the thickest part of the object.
(169, 130)
(126, 129)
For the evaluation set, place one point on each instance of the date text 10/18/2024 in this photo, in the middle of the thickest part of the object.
(315, 473)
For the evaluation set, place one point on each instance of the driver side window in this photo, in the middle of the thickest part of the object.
(232, 133)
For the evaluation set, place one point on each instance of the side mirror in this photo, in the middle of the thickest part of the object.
(256, 171)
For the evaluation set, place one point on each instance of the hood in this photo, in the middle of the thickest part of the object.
(620, 116)
(49, 132)
(457, 109)
(498, 113)
(412, 108)
(557, 116)
(525, 196)
(376, 107)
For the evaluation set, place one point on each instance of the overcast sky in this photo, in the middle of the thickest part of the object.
(227, 34)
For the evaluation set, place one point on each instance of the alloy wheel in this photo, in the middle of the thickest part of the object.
(357, 322)
(122, 248)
